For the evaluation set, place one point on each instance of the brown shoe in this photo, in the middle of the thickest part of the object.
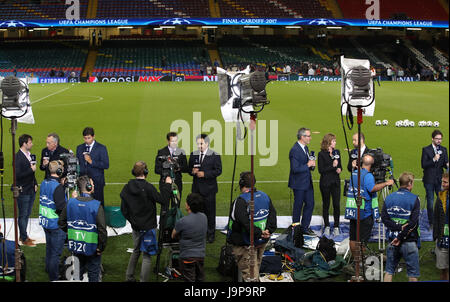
(28, 242)
(32, 240)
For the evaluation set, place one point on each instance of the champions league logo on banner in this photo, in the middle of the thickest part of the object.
(12, 23)
(176, 21)
(321, 22)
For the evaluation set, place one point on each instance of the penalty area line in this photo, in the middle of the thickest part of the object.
(51, 94)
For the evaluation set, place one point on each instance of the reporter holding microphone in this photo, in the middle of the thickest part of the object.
(330, 168)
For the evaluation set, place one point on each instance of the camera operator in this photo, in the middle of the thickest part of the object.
(51, 152)
(192, 230)
(400, 215)
(177, 158)
(369, 207)
(265, 223)
(84, 221)
(138, 206)
(52, 201)
(25, 164)
(434, 160)
(352, 161)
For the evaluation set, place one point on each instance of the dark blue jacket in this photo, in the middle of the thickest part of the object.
(299, 173)
(25, 176)
(212, 166)
(100, 162)
(432, 171)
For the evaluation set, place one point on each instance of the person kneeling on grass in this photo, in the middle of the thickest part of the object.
(192, 230)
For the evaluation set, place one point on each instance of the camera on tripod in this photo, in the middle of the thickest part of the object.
(170, 165)
(381, 164)
(71, 169)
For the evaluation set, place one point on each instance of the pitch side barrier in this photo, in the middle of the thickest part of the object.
(181, 78)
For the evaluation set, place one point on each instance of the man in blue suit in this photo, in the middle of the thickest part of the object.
(93, 159)
(434, 160)
(205, 165)
(300, 180)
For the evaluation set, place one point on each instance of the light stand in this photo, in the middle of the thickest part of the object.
(252, 251)
(15, 101)
(357, 92)
(244, 93)
(358, 258)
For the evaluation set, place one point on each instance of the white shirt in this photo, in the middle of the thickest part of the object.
(204, 154)
(27, 154)
(171, 150)
(302, 146)
(91, 146)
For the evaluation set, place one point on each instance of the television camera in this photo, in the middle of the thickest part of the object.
(71, 169)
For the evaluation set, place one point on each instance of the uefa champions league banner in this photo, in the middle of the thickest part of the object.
(221, 22)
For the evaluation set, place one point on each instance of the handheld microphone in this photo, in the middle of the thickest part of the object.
(335, 154)
(196, 162)
(354, 154)
(86, 150)
(438, 149)
(33, 159)
(312, 157)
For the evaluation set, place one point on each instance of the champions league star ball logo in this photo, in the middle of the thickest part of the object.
(12, 23)
(322, 22)
(176, 21)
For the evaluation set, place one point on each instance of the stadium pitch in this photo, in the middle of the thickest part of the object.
(132, 120)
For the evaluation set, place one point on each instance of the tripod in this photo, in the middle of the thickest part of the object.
(164, 234)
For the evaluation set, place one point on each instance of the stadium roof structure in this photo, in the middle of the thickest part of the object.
(109, 22)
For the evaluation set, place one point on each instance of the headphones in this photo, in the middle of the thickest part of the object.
(89, 186)
(60, 170)
(145, 169)
(245, 182)
(88, 182)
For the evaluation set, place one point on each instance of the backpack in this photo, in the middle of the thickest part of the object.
(227, 263)
(327, 248)
(172, 217)
(295, 234)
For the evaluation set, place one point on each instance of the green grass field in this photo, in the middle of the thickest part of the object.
(132, 119)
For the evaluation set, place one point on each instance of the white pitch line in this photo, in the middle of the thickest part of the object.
(43, 98)
(219, 182)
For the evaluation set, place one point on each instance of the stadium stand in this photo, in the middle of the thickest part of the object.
(414, 9)
(151, 58)
(38, 9)
(264, 50)
(152, 8)
(277, 9)
(39, 58)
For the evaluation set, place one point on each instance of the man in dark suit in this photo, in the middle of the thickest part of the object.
(205, 165)
(27, 184)
(51, 152)
(352, 161)
(93, 159)
(300, 180)
(179, 155)
(434, 160)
